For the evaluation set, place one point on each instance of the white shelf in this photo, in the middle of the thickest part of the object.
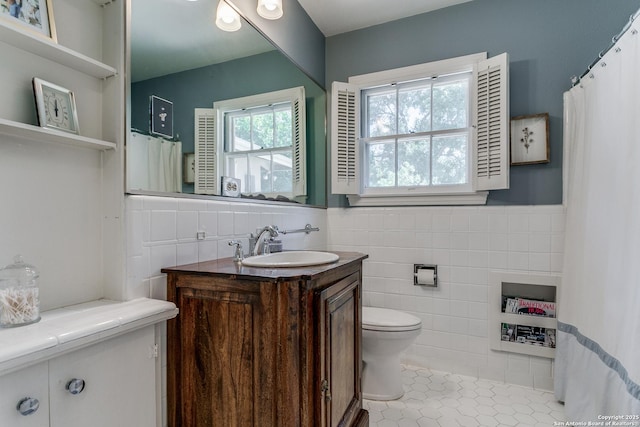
(523, 348)
(525, 283)
(35, 133)
(521, 319)
(532, 350)
(70, 328)
(48, 49)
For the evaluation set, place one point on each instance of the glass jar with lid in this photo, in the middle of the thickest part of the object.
(19, 294)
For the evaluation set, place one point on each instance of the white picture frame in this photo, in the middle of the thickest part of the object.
(30, 16)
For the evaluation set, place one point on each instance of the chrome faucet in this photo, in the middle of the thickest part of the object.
(238, 255)
(258, 243)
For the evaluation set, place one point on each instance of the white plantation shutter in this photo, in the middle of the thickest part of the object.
(345, 152)
(491, 152)
(206, 158)
(299, 175)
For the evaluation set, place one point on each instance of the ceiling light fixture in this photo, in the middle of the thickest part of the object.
(227, 19)
(270, 9)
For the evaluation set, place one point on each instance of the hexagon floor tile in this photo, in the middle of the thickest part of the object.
(440, 399)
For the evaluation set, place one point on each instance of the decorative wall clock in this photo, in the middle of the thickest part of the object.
(56, 106)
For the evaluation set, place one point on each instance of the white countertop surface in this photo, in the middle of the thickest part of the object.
(69, 328)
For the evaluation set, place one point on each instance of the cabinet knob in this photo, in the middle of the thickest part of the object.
(75, 386)
(28, 406)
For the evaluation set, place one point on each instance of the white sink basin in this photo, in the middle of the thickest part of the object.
(291, 259)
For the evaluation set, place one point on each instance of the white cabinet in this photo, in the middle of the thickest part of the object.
(29, 383)
(104, 351)
(119, 378)
(119, 383)
(529, 334)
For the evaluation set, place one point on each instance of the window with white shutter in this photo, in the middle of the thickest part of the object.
(433, 133)
(258, 139)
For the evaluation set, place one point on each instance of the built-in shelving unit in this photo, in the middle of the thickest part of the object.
(47, 48)
(537, 287)
(88, 59)
(35, 133)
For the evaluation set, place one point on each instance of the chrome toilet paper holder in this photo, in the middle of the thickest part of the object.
(419, 278)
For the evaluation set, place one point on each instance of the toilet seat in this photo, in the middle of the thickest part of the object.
(386, 320)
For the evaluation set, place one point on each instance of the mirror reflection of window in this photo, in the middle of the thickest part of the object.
(259, 144)
(258, 139)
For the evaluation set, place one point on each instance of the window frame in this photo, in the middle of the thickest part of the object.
(230, 151)
(397, 137)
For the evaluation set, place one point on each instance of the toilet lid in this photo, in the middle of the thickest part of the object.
(384, 319)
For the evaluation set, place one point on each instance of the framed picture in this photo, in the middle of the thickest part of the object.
(530, 139)
(34, 16)
(161, 117)
(56, 106)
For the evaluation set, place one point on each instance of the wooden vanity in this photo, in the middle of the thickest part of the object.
(262, 347)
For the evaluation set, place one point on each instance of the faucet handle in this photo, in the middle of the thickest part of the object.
(238, 254)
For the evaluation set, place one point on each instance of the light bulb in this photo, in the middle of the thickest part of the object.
(227, 19)
(270, 9)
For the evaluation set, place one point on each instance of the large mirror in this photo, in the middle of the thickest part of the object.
(181, 62)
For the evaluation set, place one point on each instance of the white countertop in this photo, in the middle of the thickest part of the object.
(69, 328)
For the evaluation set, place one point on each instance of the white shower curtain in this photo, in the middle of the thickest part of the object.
(154, 164)
(598, 348)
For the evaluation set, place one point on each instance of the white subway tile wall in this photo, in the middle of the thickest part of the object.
(466, 243)
(162, 232)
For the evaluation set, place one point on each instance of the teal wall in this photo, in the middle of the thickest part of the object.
(548, 41)
(295, 34)
(201, 87)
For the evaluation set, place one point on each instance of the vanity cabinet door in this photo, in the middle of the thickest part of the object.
(31, 387)
(214, 376)
(340, 344)
(107, 384)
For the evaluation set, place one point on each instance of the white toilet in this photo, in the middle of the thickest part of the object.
(385, 334)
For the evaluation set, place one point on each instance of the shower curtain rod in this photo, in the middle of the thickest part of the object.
(575, 80)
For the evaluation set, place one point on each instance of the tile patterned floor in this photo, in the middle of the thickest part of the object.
(439, 399)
